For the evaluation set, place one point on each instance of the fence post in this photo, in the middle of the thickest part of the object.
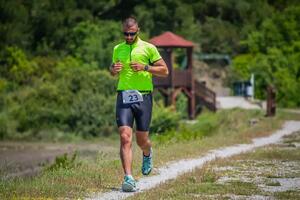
(271, 104)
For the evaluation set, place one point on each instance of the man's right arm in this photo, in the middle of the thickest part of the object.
(115, 68)
(111, 70)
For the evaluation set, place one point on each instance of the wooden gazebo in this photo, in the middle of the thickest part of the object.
(178, 80)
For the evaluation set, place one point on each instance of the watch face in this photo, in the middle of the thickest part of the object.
(146, 67)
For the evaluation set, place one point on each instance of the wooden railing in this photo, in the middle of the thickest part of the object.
(180, 78)
(162, 82)
(206, 96)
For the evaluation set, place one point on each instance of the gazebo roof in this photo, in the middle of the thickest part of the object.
(169, 39)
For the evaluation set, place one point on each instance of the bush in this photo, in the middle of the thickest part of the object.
(3, 126)
(63, 162)
(72, 99)
(164, 119)
(16, 66)
(206, 124)
(92, 115)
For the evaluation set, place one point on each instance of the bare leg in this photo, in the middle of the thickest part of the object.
(142, 139)
(126, 148)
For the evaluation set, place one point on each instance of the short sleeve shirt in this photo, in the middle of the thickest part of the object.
(141, 52)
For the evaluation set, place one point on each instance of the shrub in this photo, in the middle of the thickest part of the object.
(63, 162)
(164, 119)
(3, 126)
(71, 99)
(17, 68)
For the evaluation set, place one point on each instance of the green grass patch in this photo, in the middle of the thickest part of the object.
(203, 184)
(273, 153)
(64, 181)
(282, 154)
(287, 195)
(228, 121)
(209, 131)
(184, 187)
(273, 183)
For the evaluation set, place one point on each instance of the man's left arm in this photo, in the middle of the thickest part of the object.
(158, 68)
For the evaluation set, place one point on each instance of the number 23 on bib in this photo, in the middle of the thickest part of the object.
(131, 96)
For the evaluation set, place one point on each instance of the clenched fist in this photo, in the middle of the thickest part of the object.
(116, 67)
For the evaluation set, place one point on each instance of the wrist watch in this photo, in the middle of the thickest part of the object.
(146, 68)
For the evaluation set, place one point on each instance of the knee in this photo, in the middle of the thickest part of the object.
(142, 142)
(125, 137)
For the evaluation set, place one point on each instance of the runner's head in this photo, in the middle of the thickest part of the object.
(130, 29)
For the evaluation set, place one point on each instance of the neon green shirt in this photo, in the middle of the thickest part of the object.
(141, 52)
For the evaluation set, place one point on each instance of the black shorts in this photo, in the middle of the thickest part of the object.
(141, 112)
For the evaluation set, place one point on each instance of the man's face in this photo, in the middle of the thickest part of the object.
(130, 33)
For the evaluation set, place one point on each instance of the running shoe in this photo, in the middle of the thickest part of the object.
(129, 184)
(147, 164)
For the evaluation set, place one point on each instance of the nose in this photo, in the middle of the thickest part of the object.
(128, 37)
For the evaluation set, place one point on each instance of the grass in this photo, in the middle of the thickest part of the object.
(288, 195)
(273, 183)
(245, 169)
(210, 131)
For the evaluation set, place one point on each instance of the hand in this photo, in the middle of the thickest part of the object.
(137, 66)
(117, 67)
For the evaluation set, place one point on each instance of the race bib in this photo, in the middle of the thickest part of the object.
(131, 96)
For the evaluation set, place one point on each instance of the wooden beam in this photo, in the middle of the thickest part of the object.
(175, 92)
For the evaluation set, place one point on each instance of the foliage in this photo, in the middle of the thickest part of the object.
(3, 126)
(16, 66)
(274, 57)
(93, 42)
(182, 106)
(74, 100)
(47, 27)
(163, 119)
(63, 162)
(52, 53)
(205, 125)
(208, 123)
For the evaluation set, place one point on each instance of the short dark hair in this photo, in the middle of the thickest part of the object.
(130, 21)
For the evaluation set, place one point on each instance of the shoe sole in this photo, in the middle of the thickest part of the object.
(128, 188)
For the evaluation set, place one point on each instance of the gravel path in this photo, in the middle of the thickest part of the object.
(172, 170)
(235, 102)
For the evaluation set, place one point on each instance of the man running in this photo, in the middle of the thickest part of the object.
(135, 61)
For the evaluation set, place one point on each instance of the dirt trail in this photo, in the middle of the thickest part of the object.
(172, 170)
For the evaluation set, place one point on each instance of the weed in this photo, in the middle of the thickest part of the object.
(209, 176)
(273, 183)
(63, 162)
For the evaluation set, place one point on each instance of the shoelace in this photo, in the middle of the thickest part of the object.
(146, 160)
(130, 181)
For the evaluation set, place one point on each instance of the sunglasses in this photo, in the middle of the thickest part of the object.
(129, 33)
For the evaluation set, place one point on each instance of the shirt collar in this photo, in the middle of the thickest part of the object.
(136, 42)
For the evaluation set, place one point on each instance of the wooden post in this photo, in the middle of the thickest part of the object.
(192, 98)
(174, 94)
(271, 104)
(192, 105)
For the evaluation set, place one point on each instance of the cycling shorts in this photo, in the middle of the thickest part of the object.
(140, 112)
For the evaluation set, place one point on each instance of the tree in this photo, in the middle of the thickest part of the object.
(93, 42)
(16, 67)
